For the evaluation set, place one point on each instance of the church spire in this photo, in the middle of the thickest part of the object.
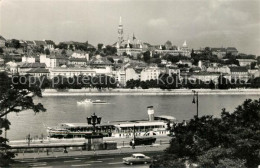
(120, 32)
(120, 21)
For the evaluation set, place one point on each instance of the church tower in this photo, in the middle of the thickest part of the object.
(120, 32)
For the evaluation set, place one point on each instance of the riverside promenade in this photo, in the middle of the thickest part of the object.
(115, 92)
(123, 147)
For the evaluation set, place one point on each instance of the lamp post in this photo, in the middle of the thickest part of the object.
(94, 120)
(196, 100)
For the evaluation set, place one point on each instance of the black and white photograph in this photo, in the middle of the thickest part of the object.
(130, 83)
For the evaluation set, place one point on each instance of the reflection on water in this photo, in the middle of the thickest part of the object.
(65, 109)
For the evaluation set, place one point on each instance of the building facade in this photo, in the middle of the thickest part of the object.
(150, 73)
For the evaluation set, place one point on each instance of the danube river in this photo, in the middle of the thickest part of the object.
(65, 109)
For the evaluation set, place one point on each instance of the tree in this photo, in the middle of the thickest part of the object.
(223, 83)
(233, 140)
(47, 51)
(62, 46)
(109, 50)
(168, 45)
(63, 52)
(14, 97)
(253, 64)
(1, 50)
(100, 46)
(15, 43)
(124, 54)
(147, 56)
(110, 59)
(211, 85)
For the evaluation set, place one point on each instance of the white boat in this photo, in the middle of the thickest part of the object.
(86, 101)
(89, 101)
(154, 126)
(99, 102)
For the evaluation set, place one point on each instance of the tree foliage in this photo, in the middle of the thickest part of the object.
(231, 141)
(16, 95)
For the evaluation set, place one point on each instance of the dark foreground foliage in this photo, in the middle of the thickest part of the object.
(14, 97)
(231, 141)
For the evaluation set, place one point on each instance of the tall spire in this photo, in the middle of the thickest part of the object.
(120, 32)
(120, 21)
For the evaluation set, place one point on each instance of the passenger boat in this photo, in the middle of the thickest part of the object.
(89, 101)
(154, 126)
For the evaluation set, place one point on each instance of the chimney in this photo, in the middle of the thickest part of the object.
(150, 112)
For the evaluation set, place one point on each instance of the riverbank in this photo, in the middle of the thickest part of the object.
(116, 92)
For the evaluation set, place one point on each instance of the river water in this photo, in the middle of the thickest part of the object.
(65, 109)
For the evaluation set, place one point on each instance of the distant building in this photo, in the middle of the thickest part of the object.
(78, 61)
(184, 51)
(240, 73)
(206, 76)
(24, 67)
(219, 52)
(12, 67)
(246, 62)
(132, 73)
(125, 46)
(120, 77)
(185, 62)
(232, 50)
(40, 43)
(80, 55)
(173, 70)
(99, 61)
(150, 73)
(50, 44)
(28, 59)
(37, 72)
(222, 69)
(71, 72)
(2, 41)
(53, 61)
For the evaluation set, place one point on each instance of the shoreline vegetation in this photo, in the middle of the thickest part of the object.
(140, 92)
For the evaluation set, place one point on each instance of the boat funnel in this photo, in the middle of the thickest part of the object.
(150, 112)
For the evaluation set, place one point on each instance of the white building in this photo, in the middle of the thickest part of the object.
(12, 67)
(104, 70)
(150, 73)
(70, 72)
(28, 59)
(53, 61)
(246, 62)
(50, 63)
(184, 51)
(223, 69)
(80, 55)
(120, 77)
(131, 73)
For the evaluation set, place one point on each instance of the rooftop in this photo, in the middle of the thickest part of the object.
(38, 70)
(33, 65)
(238, 69)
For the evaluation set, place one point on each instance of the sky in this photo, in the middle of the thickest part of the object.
(213, 23)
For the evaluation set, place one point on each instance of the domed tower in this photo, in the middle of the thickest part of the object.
(150, 112)
(120, 32)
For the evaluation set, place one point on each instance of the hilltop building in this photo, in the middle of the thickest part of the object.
(127, 47)
(184, 50)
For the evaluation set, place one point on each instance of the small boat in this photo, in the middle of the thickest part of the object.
(99, 102)
(86, 101)
(89, 101)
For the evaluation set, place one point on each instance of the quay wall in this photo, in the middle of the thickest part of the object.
(116, 92)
